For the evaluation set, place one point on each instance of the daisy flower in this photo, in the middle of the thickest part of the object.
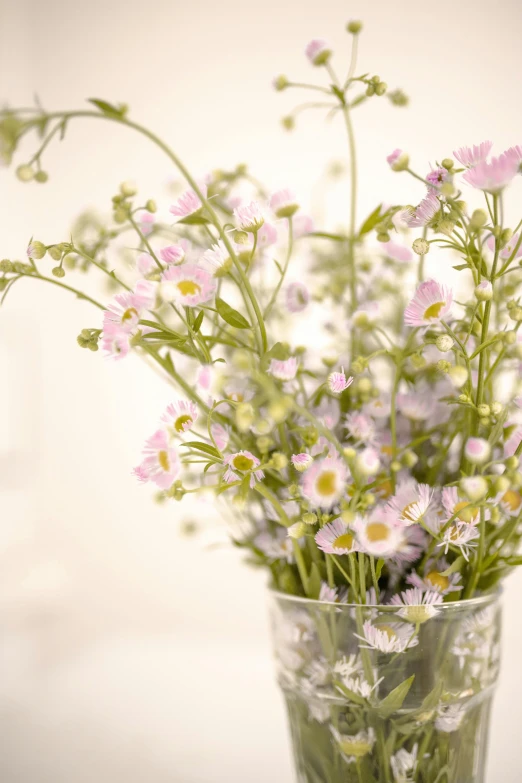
(332, 595)
(514, 154)
(115, 341)
(470, 156)
(415, 407)
(424, 212)
(144, 295)
(349, 666)
(397, 252)
(325, 481)
(431, 303)
(393, 638)
(146, 265)
(318, 51)
(508, 249)
(493, 176)
(417, 605)
(283, 204)
(301, 462)
(275, 547)
(403, 765)
(510, 502)
(283, 370)
(161, 463)
(449, 718)
(189, 285)
(411, 501)
(367, 462)
(436, 177)
(217, 259)
(173, 254)
(338, 382)
(240, 463)
(377, 535)
(122, 312)
(249, 217)
(188, 203)
(461, 535)
(336, 539)
(360, 427)
(477, 450)
(297, 297)
(398, 160)
(435, 579)
(180, 415)
(354, 746)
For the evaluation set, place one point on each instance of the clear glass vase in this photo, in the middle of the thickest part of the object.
(387, 694)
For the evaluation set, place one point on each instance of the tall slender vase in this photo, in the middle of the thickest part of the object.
(387, 694)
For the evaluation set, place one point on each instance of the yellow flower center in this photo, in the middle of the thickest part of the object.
(180, 421)
(326, 483)
(417, 614)
(387, 451)
(377, 531)
(344, 541)
(388, 630)
(512, 499)
(240, 462)
(465, 512)
(433, 310)
(163, 459)
(354, 747)
(407, 512)
(385, 488)
(129, 314)
(188, 288)
(438, 580)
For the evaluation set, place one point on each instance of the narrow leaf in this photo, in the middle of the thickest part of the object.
(106, 108)
(205, 447)
(230, 315)
(371, 221)
(197, 323)
(394, 700)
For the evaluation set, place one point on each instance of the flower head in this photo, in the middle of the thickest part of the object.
(436, 579)
(398, 160)
(180, 416)
(397, 252)
(338, 382)
(493, 176)
(249, 217)
(377, 534)
(301, 462)
(217, 259)
(418, 606)
(325, 481)
(115, 341)
(240, 463)
(460, 535)
(318, 51)
(471, 156)
(411, 501)
(404, 765)
(336, 539)
(188, 203)
(388, 638)
(436, 177)
(161, 462)
(297, 297)
(283, 204)
(190, 285)
(424, 212)
(477, 450)
(283, 370)
(173, 254)
(431, 303)
(360, 427)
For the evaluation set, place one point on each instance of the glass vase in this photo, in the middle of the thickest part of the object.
(387, 694)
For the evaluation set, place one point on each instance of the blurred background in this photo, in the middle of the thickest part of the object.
(120, 661)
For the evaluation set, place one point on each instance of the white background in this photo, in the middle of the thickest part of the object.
(129, 653)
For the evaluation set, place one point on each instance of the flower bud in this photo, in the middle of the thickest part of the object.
(354, 26)
(278, 409)
(310, 436)
(288, 122)
(25, 173)
(496, 408)
(512, 462)
(280, 83)
(398, 160)
(309, 518)
(364, 385)
(447, 189)
(279, 460)
(409, 459)
(516, 314)
(421, 246)
(395, 466)
(458, 376)
(264, 443)
(443, 366)
(128, 189)
(505, 237)
(347, 517)
(446, 226)
(478, 219)
(58, 271)
(474, 487)
(447, 163)
(477, 450)
(483, 410)
(370, 90)
(381, 88)
(367, 462)
(36, 250)
(297, 530)
(41, 177)
(6, 266)
(501, 484)
(349, 452)
(151, 206)
(444, 343)
(484, 291)
(509, 337)
(383, 236)
(55, 252)
(398, 98)
(485, 421)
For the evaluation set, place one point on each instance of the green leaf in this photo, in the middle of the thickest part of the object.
(351, 695)
(433, 698)
(326, 235)
(513, 560)
(371, 221)
(455, 566)
(460, 267)
(196, 326)
(394, 700)
(107, 108)
(194, 220)
(379, 567)
(314, 582)
(231, 316)
(204, 447)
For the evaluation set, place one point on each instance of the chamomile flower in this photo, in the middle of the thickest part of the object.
(471, 156)
(388, 638)
(161, 463)
(180, 416)
(239, 464)
(188, 203)
(418, 606)
(324, 483)
(336, 539)
(284, 370)
(458, 507)
(411, 501)
(189, 285)
(338, 382)
(377, 535)
(431, 303)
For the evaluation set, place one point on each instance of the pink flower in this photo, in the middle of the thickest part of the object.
(318, 51)
(144, 295)
(302, 225)
(283, 204)
(180, 415)
(220, 435)
(173, 254)
(424, 212)
(477, 450)
(190, 285)
(470, 156)
(115, 341)
(217, 259)
(360, 427)
(267, 235)
(301, 462)
(297, 297)
(146, 223)
(514, 154)
(431, 303)
(240, 463)
(336, 539)
(324, 483)
(495, 175)
(398, 160)
(249, 217)
(436, 177)
(188, 203)
(338, 382)
(285, 370)
(122, 312)
(397, 252)
(146, 264)
(161, 463)
(508, 249)
(418, 605)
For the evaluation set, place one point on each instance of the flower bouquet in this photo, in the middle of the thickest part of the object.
(374, 475)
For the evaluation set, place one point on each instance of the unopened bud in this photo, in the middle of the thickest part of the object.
(444, 343)
(496, 408)
(421, 246)
(516, 314)
(128, 189)
(446, 226)
(505, 236)
(279, 460)
(458, 376)
(36, 250)
(409, 459)
(477, 450)
(25, 173)
(297, 530)
(383, 236)
(151, 205)
(509, 337)
(475, 487)
(288, 123)
(447, 189)
(395, 466)
(280, 83)
(447, 163)
(502, 484)
(512, 462)
(478, 219)
(484, 291)
(41, 177)
(309, 518)
(354, 26)
(444, 366)
(483, 410)
(58, 271)
(244, 416)
(347, 517)
(381, 88)
(55, 253)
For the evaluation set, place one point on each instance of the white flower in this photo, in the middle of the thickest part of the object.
(450, 717)
(411, 501)
(377, 535)
(418, 606)
(336, 539)
(355, 746)
(390, 638)
(338, 382)
(461, 535)
(404, 764)
(284, 370)
(324, 483)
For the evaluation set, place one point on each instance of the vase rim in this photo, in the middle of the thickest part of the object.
(465, 603)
